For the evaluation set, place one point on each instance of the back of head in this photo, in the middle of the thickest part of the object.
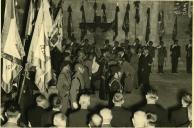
(151, 96)
(59, 120)
(118, 99)
(84, 101)
(186, 100)
(13, 111)
(56, 102)
(139, 119)
(41, 101)
(151, 118)
(96, 121)
(106, 115)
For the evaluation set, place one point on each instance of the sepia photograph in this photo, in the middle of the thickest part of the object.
(96, 63)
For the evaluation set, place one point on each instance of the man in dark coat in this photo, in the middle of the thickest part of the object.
(137, 45)
(162, 54)
(179, 117)
(188, 49)
(175, 50)
(35, 113)
(134, 63)
(121, 117)
(64, 85)
(151, 50)
(145, 63)
(153, 107)
(80, 118)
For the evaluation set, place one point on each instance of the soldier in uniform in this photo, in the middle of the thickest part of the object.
(162, 53)
(77, 85)
(151, 50)
(145, 62)
(64, 85)
(188, 49)
(115, 83)
(175, 50)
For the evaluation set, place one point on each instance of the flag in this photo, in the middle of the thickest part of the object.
(56, 35)
(137, 16)
(148, 26)
(115, 23)
(12, 48)
(125, 26)
(83, 29)
(39, 53)
(174, 33)
(70, 24)
(104, 19)
(31, 18)
(161, 25)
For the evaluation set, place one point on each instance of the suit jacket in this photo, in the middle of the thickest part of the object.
(179, 117)
(34, 116)
(188, 49)
(175, 51)
(121, 117)
(162, 53)
(78, 118)
(162, 115)
(47, 118)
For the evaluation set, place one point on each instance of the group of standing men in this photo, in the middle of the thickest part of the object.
(121, 67)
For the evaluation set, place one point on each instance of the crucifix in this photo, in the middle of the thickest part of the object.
(99, 24)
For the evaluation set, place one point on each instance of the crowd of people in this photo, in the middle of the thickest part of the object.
(82, 69)
(50, 114)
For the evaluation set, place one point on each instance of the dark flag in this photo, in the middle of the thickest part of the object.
(137, 16)
(161, 25)
(70, 24)
(83, 29)
(104, 19)
(148, 26)
(125, 26)
(174, 33)
(95, 15)
(115, 23)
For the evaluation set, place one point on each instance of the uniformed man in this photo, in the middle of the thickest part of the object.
(175, 50)
(188, 49)
(115, 47)
(107, 45)
(64, 85)
(115, 83)
(145, 63)
(151, 50)
(134, 63)
(162, 54)
(77, 85)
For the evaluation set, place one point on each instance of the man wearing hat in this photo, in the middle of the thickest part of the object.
(175, 52)
(188, 49)
(121, 117)
(64, 85)
(137, 45)
(115, 83)
(162, 54)
(77, 84)
(145, 63)
(153, 107)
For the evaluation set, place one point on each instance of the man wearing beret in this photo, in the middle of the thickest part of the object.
(121, 116)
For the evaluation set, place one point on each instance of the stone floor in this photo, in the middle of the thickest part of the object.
(168, 85)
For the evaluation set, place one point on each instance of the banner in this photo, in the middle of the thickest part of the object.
(39, 53)
(161, 24)
(12, 48)
(125, 26)
(174, 33)
(83, 29)
(148, 26)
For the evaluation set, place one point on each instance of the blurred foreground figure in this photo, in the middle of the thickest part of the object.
(96, 121)
(139, 119)
(79, 118)
(59, 120)
(106, 115)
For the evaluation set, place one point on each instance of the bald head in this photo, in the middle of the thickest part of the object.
(96, 120)
(59, 120)
(139, 119)
(106, 115)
